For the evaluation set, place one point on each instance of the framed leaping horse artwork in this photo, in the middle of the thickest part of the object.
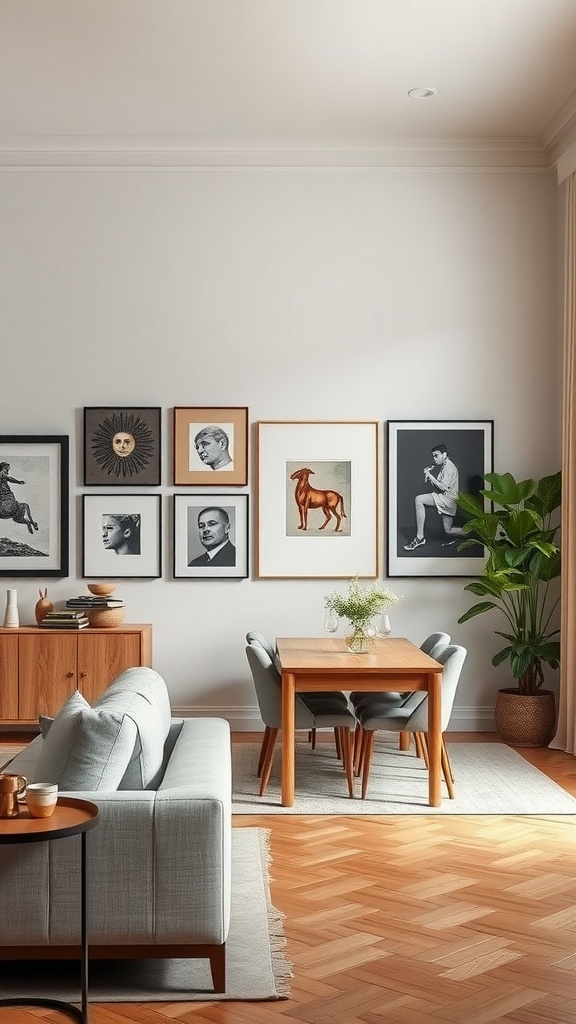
(34, 511)
(317, 499)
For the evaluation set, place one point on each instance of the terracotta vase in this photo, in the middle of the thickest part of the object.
(43, 606)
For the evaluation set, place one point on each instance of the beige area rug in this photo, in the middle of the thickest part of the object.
(489, 778)
(256, 967)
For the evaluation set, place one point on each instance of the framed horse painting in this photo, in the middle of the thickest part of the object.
(317, 499)
(34, 490)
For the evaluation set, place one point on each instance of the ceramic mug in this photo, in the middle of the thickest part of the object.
(41, 798)
(11, 787)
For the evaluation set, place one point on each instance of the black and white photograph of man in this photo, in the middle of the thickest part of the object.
(432, 466)
(211, 447)
(210, 530)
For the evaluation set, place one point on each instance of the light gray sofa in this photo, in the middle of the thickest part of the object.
(159, 860)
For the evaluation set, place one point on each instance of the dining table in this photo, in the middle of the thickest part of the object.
(314, 664)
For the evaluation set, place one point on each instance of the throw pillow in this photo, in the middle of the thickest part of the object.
(86, 749)
(142, 695)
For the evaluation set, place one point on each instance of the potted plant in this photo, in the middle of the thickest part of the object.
(359, 606)
(519, 534)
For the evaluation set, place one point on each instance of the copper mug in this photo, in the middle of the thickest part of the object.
(11, 787)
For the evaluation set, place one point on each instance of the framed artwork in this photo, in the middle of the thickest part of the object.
(317, 499)
(121, 536)
(34, 489)
(122, 446)
(429, 461)
(210, 536)
(211, 446)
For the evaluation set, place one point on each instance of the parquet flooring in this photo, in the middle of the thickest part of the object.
(411, 920)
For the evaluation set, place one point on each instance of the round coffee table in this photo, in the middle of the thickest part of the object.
(71, 817)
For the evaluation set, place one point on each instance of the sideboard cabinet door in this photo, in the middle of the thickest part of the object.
(9, 678)
(46, 672)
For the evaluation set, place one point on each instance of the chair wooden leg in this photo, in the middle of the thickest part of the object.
(312, 735)
(337, 742)
(447, 770)
(265, 740)
(418, 744)
(404, 741)
(346, 745)
(358, 732)
(267, 766)
(424, 742)
(367, 752)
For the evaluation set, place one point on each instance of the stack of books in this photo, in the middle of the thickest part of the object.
(86, 602)
(64, 620)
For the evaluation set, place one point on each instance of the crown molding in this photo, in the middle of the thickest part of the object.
(162, 152)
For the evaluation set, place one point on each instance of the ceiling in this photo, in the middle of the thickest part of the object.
(271, 71)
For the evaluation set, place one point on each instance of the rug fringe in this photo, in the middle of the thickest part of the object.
(281, 966)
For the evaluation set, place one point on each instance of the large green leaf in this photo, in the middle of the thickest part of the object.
(477, 609)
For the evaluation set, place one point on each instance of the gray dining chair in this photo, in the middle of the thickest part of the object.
(317, 702)
(413, 718)
(268, 686)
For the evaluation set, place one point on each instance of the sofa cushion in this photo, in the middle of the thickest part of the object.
(141, 693)
(86, 748)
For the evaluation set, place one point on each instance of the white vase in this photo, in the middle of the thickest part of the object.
(11, 619)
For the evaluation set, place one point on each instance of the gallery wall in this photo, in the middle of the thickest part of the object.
(303, 294)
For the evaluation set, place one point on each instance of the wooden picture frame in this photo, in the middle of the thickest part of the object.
(211, 536)
(211, 446)
(34, 505)
(303, 540)
(469, 449)
(122, 446)
(121, 536)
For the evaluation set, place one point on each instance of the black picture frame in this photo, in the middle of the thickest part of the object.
(137, 518)
(35, 537)
(470, 449)
(229, 562)
(122, 446)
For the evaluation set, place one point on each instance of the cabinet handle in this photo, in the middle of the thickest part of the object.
(83, 675)
(69, 675)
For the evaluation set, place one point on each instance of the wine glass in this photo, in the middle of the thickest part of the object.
(382, 625)
(330, 620)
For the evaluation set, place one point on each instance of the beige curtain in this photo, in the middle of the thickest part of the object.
(566, 734)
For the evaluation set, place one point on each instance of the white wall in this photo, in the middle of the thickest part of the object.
(302, 293)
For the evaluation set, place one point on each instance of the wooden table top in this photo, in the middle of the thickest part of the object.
(328, 653)
(70, 816)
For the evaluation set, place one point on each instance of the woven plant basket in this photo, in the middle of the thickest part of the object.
(525, 721)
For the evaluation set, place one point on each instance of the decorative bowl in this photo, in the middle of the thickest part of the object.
(105, 618)
(101, 589)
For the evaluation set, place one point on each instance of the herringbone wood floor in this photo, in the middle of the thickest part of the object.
(411, 920)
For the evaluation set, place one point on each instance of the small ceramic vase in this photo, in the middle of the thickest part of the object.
(43, 606)
(11, 618)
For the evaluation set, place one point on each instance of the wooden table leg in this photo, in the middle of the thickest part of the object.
(288, 738)
(434, 739)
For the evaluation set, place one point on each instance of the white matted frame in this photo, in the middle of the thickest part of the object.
(107, 520)
(469, 448)
(191, 555)
(330, 534)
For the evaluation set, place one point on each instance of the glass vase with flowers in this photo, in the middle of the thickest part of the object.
(360, 605)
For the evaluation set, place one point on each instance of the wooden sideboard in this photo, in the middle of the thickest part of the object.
(40, 668)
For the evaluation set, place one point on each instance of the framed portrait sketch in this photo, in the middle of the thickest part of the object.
(34, 489)
(317, 499)
(211, 446)
(121, 536)
(429, 461)
(210, 536)
(122, 446)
